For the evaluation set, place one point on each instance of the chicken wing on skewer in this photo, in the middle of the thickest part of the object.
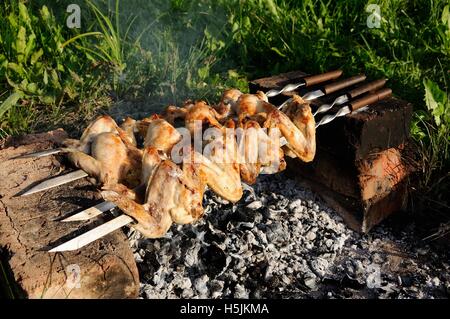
(110, 161)
(107, 152)
(260, 151)
(193, 114)
(174, 193)
(227, 106)
(103, 124)
(297, 125)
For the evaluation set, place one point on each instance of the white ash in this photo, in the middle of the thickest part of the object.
(282, 241)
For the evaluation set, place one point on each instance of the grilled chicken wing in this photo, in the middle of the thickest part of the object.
(195, 115)
(107, 152)
(175, 193)
(103, 124)
(300, 132)
(227, 105)
(297, 125)
(110, 161)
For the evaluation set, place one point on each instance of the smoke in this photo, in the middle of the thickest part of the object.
(172, 50)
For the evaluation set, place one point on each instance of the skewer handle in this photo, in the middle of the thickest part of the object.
(366, 88)
(369, 99)
(336, 86)
(315, 79)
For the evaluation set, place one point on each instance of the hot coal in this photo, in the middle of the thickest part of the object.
(282, 241)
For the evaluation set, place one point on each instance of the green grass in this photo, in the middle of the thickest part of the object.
(147, 54)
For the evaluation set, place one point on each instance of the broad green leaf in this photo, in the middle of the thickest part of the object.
(437, 101)
(32, 88)
(3, 60)
(23, 13)
(203, 72)
(36, 55)
(45, 77)
(272, 7)
(21, 44)
(55, 79)
(10, 102)
(446, 16)
(11, 83)
(12, 18)
(30, 45)
(47, 99)
(233, 74)
(45, 13)
(16, 68)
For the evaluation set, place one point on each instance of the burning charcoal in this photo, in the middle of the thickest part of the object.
(280, 241)
(261, 237)
(201, 286)
(282, 203)
(255, 205)
(310, 281)
(406, 281)
(148, 266)
(319, 266)
(298, 211)
(216, 287)
(191, 256)
(434, 282)
(329, 243)
(182, 282)
(295, 204)
(137, 257)
(187, 293)
(310, 236)
(286, 279)
(214, 260)
(274, 232)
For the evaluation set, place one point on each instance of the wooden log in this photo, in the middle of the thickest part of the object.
(29, 225)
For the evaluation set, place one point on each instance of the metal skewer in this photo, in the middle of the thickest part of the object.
(356, 105)
(328, 89)
(90, 212)
(93, 234)
(307, 81)
(40, 153)
(56, 181)
(350, 95)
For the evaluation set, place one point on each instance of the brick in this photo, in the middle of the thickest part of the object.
(364, 193)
